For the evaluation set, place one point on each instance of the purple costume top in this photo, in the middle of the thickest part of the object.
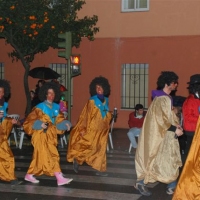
(158, 93)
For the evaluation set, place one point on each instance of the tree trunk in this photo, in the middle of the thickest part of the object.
(26, 86)
(26, 90)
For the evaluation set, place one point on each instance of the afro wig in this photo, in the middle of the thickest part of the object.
(103, 82)
(6, 85)
(166, 77)
(44, 90)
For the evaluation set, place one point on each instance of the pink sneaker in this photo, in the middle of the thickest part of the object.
(30, 178)
(61, 180)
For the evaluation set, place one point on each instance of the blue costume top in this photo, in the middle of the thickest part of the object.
(52, 110)
(103, 107)
(4, 108)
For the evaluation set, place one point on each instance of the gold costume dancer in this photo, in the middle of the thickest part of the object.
(158, 155)
(7, 162)
(188, 187)
(43, 124)
(88, 139)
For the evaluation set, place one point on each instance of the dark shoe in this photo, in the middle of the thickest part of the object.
(101, 174)
(170, 191)
(75, 166)
(142, 189)
(15, 182)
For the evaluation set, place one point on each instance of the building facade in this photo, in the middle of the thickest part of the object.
(137, 40)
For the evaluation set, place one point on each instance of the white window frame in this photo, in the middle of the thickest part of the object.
(124, 5)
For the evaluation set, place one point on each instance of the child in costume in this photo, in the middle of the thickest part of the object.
(43, 124)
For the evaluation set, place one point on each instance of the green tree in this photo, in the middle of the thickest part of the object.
(32, 27)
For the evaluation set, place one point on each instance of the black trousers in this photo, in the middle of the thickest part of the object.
(189, 137)
(182, 142)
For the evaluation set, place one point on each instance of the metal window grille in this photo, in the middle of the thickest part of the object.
(2, 73)
(134, 85)
(135, 5)
(61, 68)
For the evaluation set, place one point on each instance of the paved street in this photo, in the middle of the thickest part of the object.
(118, 185)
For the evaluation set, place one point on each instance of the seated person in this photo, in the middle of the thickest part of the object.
(135, 123)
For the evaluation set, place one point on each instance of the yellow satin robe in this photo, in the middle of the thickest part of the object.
(7, 162)
(45, 158)
(158, 156)
(91, 147)
(188, 187)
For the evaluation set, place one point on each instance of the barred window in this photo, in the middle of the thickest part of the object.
(135, 5)
(61, 68)
(2, 73)
(134, 85)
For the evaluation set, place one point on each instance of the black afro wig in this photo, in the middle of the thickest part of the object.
(6, 85)
(103, 82)
(44, 89)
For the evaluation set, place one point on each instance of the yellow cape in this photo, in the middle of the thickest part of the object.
(158, 156)
(188, 187)
(88, 139)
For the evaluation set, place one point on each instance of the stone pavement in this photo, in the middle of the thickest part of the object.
(86, 185)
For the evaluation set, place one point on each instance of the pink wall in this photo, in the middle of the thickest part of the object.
(165, 18)
(105, 57)
(166, 37)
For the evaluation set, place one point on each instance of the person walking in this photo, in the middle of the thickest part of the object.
(88, 139)
(135, 122)
(43, 124)
(191, 110)
(7, 161)
(189, 181)
(158, 155)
